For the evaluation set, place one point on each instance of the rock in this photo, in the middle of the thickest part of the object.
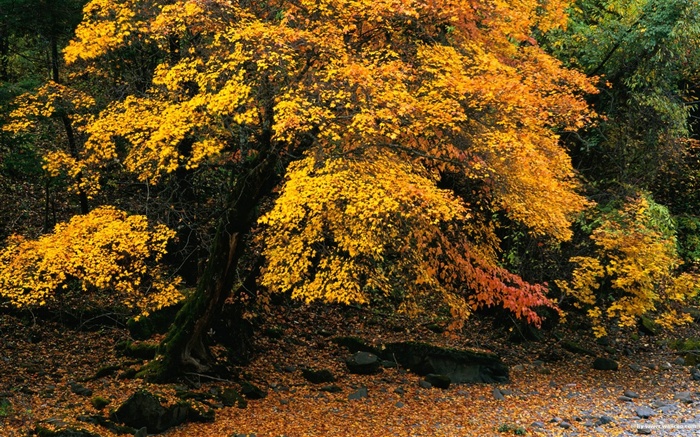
(497, 394)
(399, 404)
(631, 394)
(359, 394)
(399, 390)
(331, 388)
(695, 374)
(685, 397)
(644, 412)
(668, 408)
(604, 420)
(643, 430)
(636, 367)
(537, 424)
(251, 391)
(98, 402)
(648, 326)
(318, 376)
(289, 369)
(604, 341)
(574, 347)
(625, 399)
(518, 368)
(364, 363)
(424, 384)
(439, 381)
(601, 363)
(231, 397)
(680, 361)
(79, 389)
(460, 365)
(564, 424)
(143, 409)
(666, 366)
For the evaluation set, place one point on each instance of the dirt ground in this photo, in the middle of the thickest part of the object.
(551, 392)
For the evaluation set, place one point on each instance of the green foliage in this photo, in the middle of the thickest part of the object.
(688, 230)
(510, 428)
(645, 53)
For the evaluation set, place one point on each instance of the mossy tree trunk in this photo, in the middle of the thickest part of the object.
(184, 347)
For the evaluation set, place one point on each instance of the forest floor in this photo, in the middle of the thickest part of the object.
(44, 367)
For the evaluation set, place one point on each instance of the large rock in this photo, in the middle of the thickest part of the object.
(144, 410)
(364, 363)
(459, 365)
(601, 363)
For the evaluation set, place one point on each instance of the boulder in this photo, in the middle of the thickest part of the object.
(460, 365)
(318, 376)
(251, 391)
(364, 363)
(145, 410)
(601, 363)
(439, 381)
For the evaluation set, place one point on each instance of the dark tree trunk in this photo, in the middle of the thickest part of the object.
(70, 135)
(184, 346)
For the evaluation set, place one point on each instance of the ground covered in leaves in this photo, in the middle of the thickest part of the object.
(54, 376)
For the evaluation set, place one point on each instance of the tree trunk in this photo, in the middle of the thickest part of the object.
(70, 135)
(184, 347)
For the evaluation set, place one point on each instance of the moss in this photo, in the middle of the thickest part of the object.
(99, 402)
(688, 344)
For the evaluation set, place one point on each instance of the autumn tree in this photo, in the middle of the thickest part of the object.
(391, 132)
(47, 25)
(110, 257)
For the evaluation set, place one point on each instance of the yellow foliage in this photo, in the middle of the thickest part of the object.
(105, 252)
(637, 257)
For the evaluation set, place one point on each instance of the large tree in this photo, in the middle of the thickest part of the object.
(390, 131)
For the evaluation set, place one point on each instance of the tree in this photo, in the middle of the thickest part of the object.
(634, 270)
(51, 24)
(644, 53)
(376, 105)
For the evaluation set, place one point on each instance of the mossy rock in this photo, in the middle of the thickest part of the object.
(232, 398)
(137, 349)
(99, 402)
(460, 365)
(576, 348)
(687, 344)
(649, 326)
(692, 359)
